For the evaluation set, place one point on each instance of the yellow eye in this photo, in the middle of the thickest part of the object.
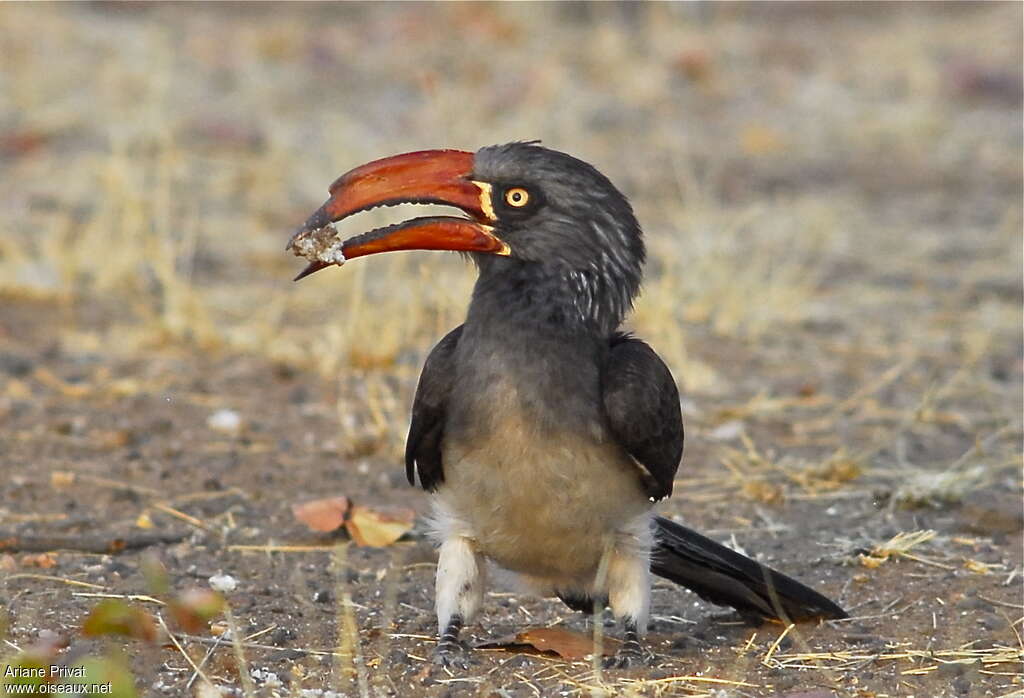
(517, 196)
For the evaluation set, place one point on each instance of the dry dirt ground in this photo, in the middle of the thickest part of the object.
(832, 197)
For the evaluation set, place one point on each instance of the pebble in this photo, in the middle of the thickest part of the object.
(282, 635)
(225, 421)
(223, 583)
(398, 657)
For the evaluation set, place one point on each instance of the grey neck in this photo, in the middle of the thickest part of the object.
(547, 298)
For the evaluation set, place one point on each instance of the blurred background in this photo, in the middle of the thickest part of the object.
(831, 194)
(791, 165)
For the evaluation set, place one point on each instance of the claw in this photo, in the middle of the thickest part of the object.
(631, 654)
(628, 658)
(450, 653)
(452, 656)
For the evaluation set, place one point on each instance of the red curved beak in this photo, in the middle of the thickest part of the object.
(423, 177)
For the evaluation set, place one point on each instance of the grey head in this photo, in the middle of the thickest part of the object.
(577, 251)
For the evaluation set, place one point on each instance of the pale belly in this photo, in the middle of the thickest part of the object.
(545, 507)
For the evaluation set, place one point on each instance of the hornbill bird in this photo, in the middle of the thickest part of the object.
(544, 433)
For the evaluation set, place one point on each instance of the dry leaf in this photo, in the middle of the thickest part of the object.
(193, 610)
(44, 561)
(115, 617)
(322, 515)
(376, 529)
(554, 641)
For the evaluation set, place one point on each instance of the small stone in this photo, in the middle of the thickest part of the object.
(398, 657)
(223, 583)
(949, 670)
(282, 635)
(225, 421)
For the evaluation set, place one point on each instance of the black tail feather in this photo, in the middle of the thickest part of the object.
(724, 577)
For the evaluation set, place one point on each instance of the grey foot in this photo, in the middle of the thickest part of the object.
(629, 659)
(452, 656)
(450, 653)
(631, 654)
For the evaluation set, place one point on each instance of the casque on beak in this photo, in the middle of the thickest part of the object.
(424, 177)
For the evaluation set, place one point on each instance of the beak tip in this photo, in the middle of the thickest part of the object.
(311, 268)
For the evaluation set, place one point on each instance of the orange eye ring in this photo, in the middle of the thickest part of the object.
(517, 197)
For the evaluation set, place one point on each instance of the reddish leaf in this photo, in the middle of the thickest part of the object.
(194, 609)
(322, 515)
(554, 641)
(42, 560)
(376, 529)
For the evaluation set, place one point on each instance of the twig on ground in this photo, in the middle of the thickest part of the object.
(102, 543)
(271, 548)
(126, 597)
(191, 520)
(775, 645)
(52, 578)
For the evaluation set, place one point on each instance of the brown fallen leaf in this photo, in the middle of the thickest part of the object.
(558, 642)
(378, 528)
(116, 617)
(322, 515)
(193, 609)
(44, 561)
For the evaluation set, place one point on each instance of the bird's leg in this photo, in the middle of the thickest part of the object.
(448, 644)
(631, 652)
(629, 593)
(460, 591)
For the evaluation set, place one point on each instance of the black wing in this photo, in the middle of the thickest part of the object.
(423, 445)
(642, 405)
